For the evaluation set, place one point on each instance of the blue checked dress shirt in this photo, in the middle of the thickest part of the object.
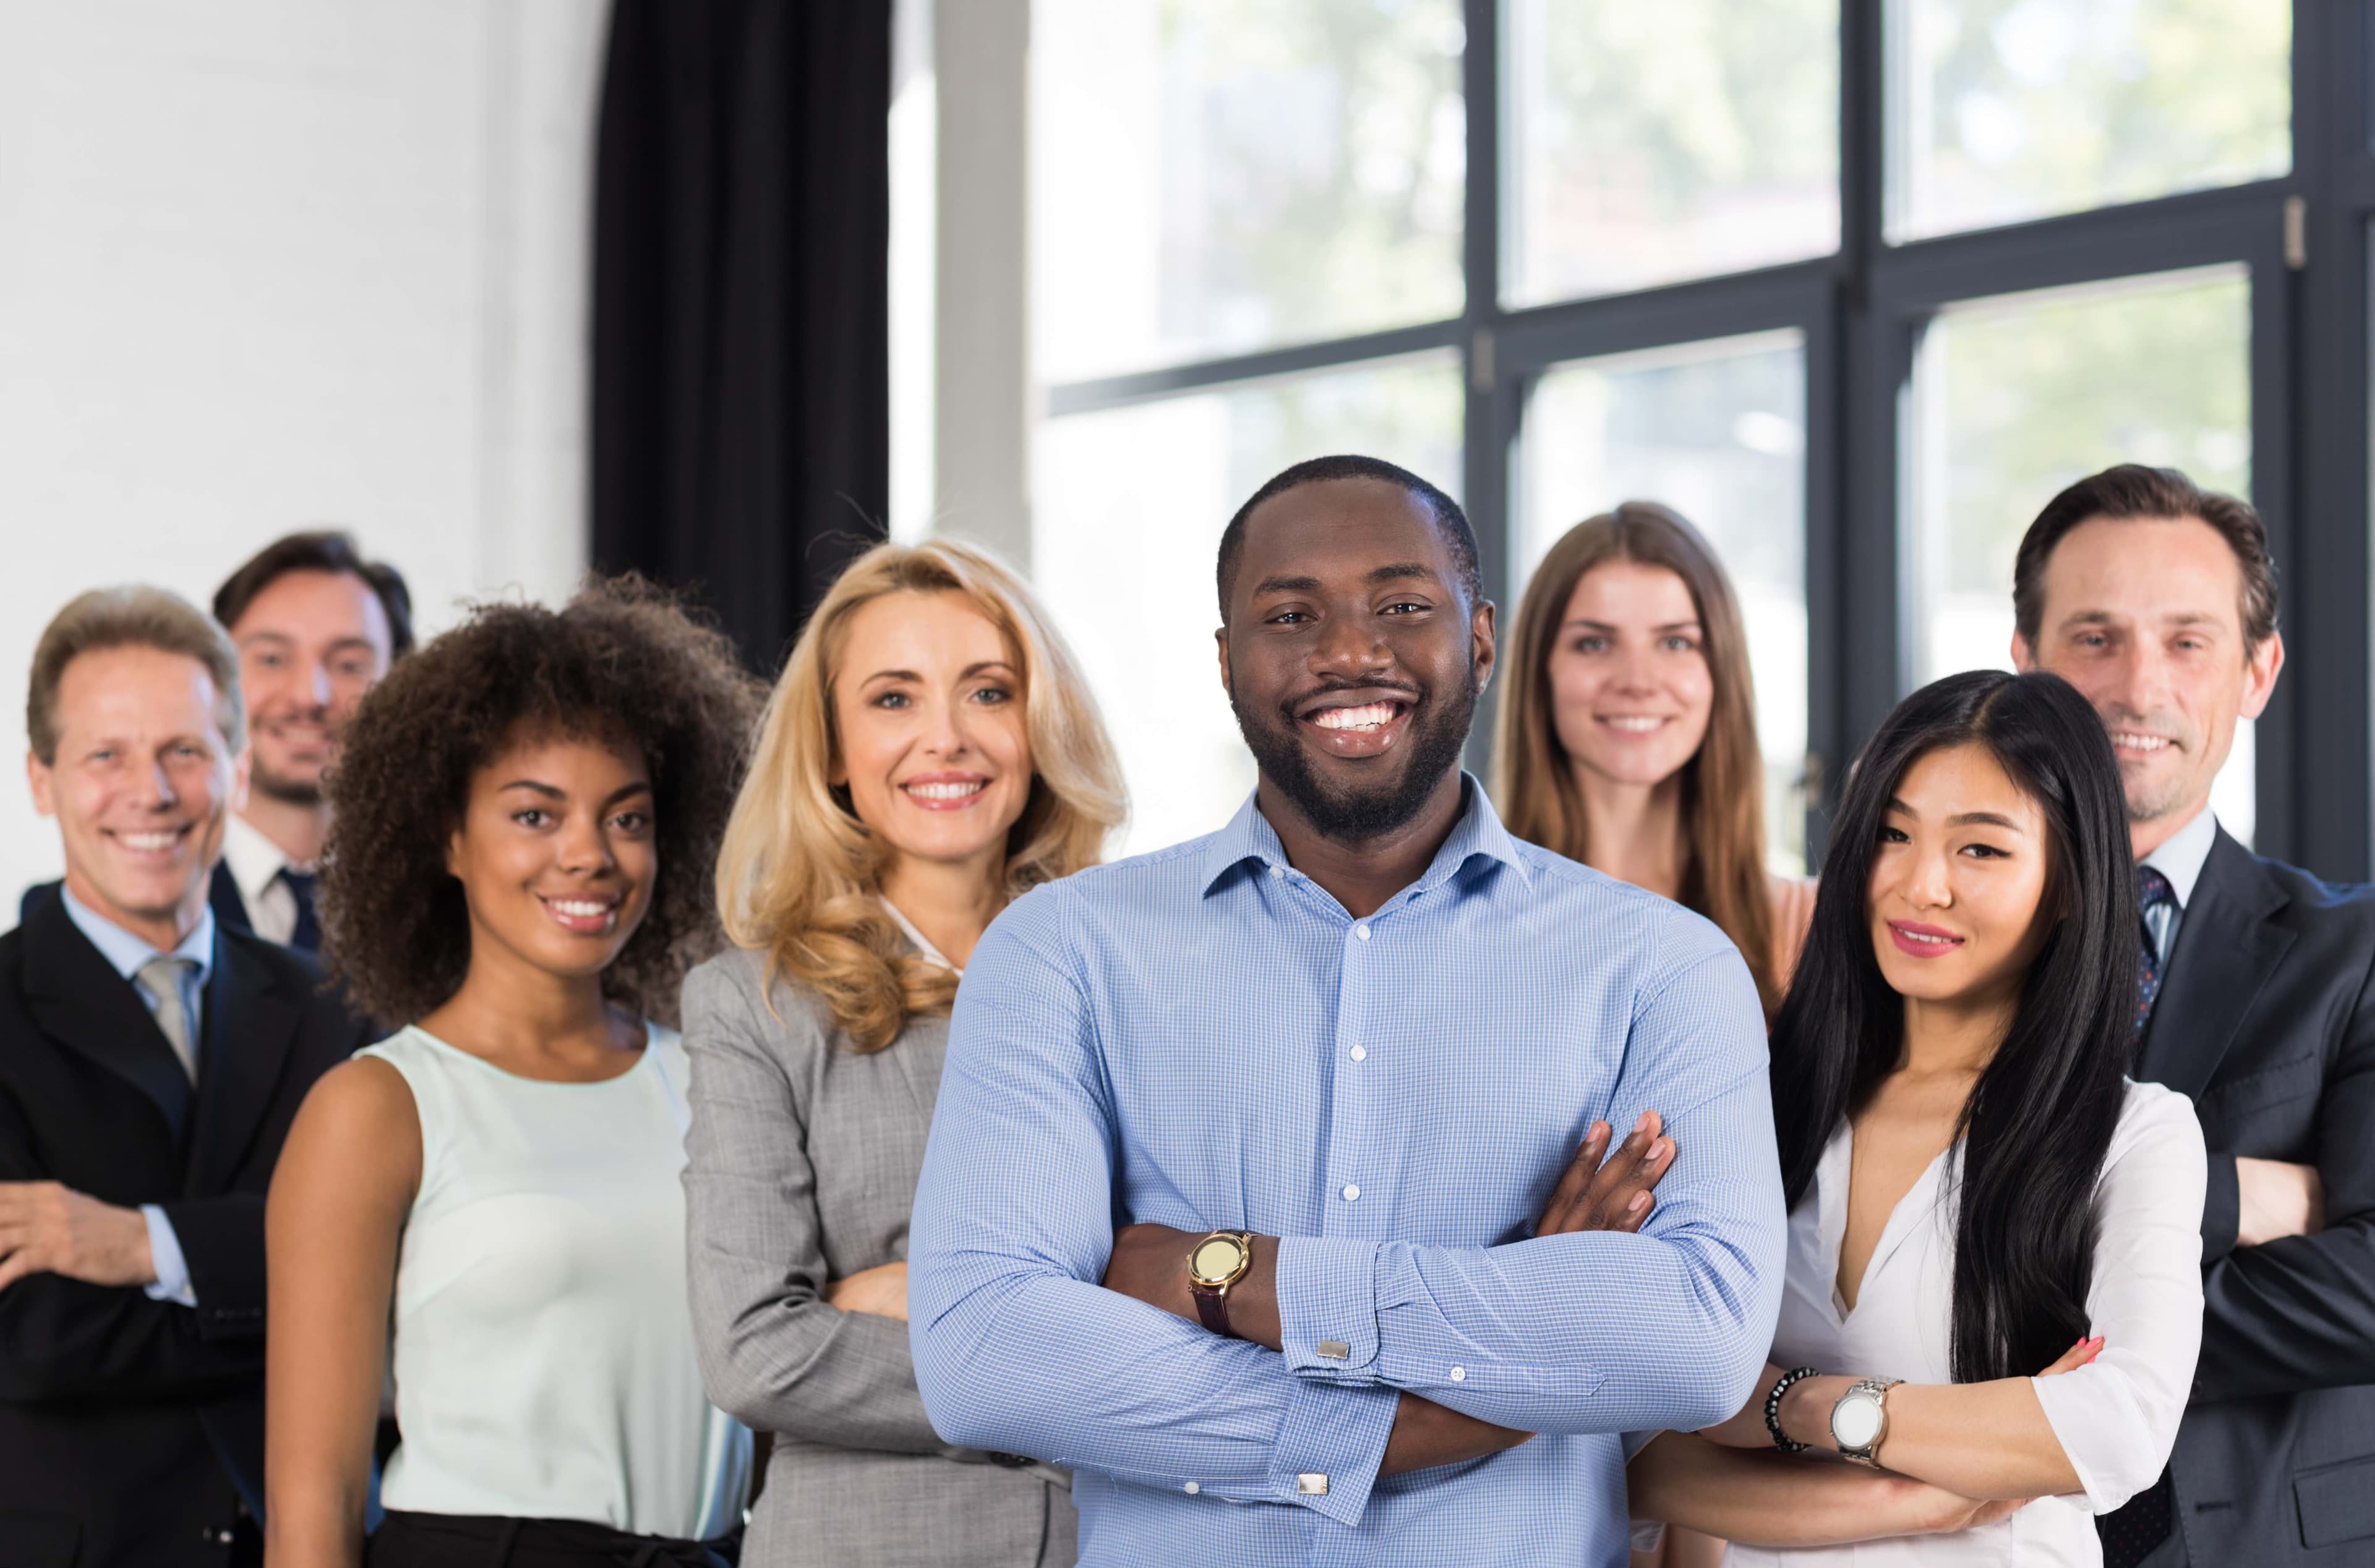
(1203, 1038)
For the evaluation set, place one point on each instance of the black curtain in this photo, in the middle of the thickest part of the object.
(741, 302)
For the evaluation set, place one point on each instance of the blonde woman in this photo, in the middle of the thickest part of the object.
(929, 752)
(1627, 733)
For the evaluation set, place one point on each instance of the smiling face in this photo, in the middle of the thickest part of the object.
(1959, 881)
(2145, 617)
(142, 782)
(1631, 691)
(556, 854)
(1351, 655)
(930, 729)
(310, 645)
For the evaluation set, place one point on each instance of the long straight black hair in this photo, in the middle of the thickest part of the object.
(2039, 1121)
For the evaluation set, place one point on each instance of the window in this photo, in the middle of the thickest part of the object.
(1652, 143)
(1854, 287)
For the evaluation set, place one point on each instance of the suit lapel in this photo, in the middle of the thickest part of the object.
(251, 1024)
(78, 998)
(2226, 948)
(222, 896)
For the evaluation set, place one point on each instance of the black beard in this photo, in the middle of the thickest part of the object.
(1437, 737)
(288, 791)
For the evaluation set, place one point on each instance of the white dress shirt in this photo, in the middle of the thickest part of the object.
(255, 864)
(127, 953)
(2115, 1419)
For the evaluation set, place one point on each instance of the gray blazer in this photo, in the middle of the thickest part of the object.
(803, 1160)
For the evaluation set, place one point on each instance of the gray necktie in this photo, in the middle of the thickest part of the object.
(161, 979)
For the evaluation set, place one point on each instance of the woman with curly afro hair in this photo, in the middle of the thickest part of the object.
(525, 815)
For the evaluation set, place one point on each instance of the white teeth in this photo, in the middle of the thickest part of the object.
(957, 791)
(1917, 937)
(148, 841)
(582, 908)
(1372, 715)
(1635, 726)
(2127, 741)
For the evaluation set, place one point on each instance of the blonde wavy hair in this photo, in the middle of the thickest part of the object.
(797, 873)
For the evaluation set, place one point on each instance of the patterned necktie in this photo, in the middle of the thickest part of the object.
(2129, 1534)
(161, 979)
(2154, 901)
(306, 935)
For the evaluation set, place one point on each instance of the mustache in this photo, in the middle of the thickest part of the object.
(1294, 705)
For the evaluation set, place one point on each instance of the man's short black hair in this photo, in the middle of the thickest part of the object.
(329, 549)
(1318, 470)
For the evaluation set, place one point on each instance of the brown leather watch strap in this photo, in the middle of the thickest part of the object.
(1212, 1306)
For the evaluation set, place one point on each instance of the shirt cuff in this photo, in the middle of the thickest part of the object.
(1328, 1307)
(1331, 1446)
(2222, 1210)
(172, 1281)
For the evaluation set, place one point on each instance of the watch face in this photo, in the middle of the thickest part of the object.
(1215, 1259)
(1855, 1420)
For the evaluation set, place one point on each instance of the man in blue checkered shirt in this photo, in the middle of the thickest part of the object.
(1266, 1188)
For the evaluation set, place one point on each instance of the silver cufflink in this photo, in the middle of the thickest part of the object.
(1335, 1350)
(1313, 1485)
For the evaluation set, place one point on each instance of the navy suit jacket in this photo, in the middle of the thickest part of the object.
(2267, 1020)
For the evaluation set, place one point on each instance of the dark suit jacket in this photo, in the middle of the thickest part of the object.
(2267, 1020)
(131, 1429)
(222, 897)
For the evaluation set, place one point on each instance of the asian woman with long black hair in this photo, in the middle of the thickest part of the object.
(1993, 1294)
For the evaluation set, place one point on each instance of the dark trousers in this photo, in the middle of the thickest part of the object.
(447, 1540)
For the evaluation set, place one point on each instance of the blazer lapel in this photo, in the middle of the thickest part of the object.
(78, 998)
(2226, 948)
(249, 1025)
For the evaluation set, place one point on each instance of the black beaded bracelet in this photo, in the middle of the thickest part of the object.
(1781, 1440)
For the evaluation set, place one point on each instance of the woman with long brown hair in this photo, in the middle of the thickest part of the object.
(930, 752)
(1628, 730)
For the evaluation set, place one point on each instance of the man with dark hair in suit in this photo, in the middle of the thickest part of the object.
(2157, 599)
(151, 1060)
(316, 625)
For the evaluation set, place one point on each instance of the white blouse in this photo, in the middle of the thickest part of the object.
(2116, 1418)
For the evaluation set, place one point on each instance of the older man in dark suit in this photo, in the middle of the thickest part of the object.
(2158, 600)
(150, 1063)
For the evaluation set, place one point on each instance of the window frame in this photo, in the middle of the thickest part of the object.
(2304, 238)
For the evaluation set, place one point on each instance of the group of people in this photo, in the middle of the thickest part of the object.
(731, 1125)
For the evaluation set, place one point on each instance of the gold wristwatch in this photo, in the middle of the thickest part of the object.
(1214, 1263)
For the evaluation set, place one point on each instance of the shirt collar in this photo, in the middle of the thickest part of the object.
(2184, 854)
(128, 952)
(923, 943)
(1478, 832)
(254, 859)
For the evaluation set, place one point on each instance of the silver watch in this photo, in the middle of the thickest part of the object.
(1860, 1420)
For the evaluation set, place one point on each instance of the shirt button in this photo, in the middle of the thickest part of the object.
(1360, 1053)
(1460, 1375)
(1352, 1193)
(1362, 932)
(1191, 1489)
(1278, 870)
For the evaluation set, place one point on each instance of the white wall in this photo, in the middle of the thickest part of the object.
(270, 263)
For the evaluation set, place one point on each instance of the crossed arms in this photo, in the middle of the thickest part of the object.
(1018, 1347)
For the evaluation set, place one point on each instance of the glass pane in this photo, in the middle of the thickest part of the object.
(1718, 432)
(2007, 110)
(1126, 523)
(1653, 143)
(2016, 396)
(1215, 176)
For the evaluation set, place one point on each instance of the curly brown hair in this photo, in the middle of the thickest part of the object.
(622, 658)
